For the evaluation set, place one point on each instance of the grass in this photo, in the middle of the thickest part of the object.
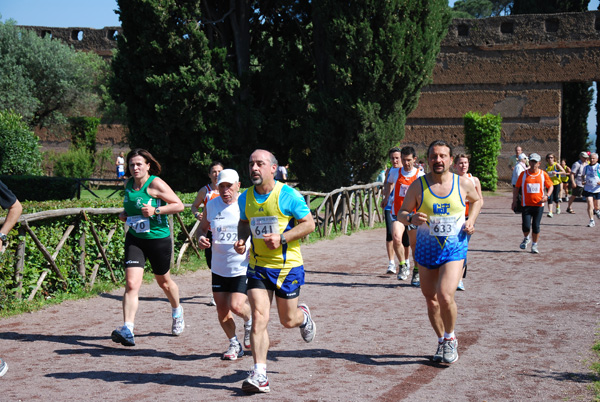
(596, 369)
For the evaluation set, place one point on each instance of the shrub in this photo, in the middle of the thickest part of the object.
(19, 148)
(83, 132)
(74, 163)
(482, 140)
(40, 188)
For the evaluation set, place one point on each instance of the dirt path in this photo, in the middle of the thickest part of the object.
(526, 324)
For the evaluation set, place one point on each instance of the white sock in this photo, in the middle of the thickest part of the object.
(260, 368)
(129, 325)
(392, 262)
(534, 243)
(248, 323)
(449, 335)
(441, 340)
(233, 340)
(176, 312)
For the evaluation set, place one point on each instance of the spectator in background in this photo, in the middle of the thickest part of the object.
(577, 170)
(8, 201)
(282, 173)
(120, 164)
(520, 167)
(515, 158)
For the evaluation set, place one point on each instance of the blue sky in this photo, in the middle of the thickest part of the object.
(100, 14)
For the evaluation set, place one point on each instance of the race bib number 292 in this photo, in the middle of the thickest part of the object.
(263, 225)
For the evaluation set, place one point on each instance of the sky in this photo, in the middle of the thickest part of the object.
(100, 13)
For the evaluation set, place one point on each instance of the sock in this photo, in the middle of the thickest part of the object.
(441, 340)
(233, 340)
(248, 323)
(260, 368)
(176, 312)
(534, 243)
(449, 335)
(401, 263)
(392, 262)
(129, 325)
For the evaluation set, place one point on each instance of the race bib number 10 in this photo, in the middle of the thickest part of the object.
(225, 234)
(139, 224)
(263, 225)
(442, 226)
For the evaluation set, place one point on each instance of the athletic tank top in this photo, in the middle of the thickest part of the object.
(554, 168)
(470, 177)
(224, 220)
(441, 238)
(266, 218)
(402, 184)
(210, 194)
(154, 227)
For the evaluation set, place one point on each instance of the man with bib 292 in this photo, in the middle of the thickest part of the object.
(276, 217)
(442, 240)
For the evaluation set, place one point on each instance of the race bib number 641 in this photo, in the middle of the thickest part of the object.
(262, 225)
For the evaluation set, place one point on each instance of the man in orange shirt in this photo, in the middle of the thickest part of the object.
(532, 183)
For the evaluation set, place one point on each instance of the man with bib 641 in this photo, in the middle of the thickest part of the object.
(276, 217)
(442, 240)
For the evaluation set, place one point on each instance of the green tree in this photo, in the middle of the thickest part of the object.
(45, 80)
(577, 96)
(19, 146)
(324, 85)
(480, 8)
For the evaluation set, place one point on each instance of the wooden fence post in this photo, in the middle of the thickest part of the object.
(20, 263)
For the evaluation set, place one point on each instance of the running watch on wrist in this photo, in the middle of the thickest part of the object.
(157, 211)
(2, 237)
(283, 240)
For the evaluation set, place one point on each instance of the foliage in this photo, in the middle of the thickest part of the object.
(40, 188)
(19, 150)
(480, 8)
(45, 80)
(322, 84)
(577, 102)
(548, 6)
(77, 163)
(482, 140)
(83, 132)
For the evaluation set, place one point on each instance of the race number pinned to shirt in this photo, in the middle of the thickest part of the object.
(138, 223)
(262, 225)
(443, 226)
(225, 234)
(403, 188)
(534, 188)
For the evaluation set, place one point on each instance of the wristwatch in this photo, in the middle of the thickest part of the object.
(410, 215)
(3, 237)
(157, 211)
(283, 240)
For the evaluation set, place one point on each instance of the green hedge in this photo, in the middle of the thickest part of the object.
(40, 188)
(482, 140)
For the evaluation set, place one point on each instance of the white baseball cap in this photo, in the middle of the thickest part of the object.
(228, 176)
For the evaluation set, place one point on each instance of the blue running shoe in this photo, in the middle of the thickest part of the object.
(123, 336)
(461, 285)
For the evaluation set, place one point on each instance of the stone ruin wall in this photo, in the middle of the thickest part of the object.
(512, 65)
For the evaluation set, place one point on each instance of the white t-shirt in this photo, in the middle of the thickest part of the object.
(120, 164)
(392, 178)
(592, 178)
(224, 220)
(519, 168)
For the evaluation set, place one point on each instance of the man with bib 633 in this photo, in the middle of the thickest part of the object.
(276, 217)
(442, 240)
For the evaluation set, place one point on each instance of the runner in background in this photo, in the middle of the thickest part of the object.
(386, 203)
(577, 170)
(591, 190)
(555, 171)
(461, 168)
(565, 180)
(405, 236)
(205, 194)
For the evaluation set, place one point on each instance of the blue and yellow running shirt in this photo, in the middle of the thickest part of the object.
(275, 212)
(441, 239)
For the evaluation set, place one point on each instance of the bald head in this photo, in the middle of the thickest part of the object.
(263, 166)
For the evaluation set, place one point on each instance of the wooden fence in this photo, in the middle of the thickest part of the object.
(340, 210)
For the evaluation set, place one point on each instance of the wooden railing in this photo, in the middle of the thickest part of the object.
(340, 210)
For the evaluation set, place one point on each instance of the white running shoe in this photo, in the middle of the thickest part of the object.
(256, 383)
(391, 269)
(178, 325)
(247, 331)
(233, 351)
(309, 330)
(591, 224)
